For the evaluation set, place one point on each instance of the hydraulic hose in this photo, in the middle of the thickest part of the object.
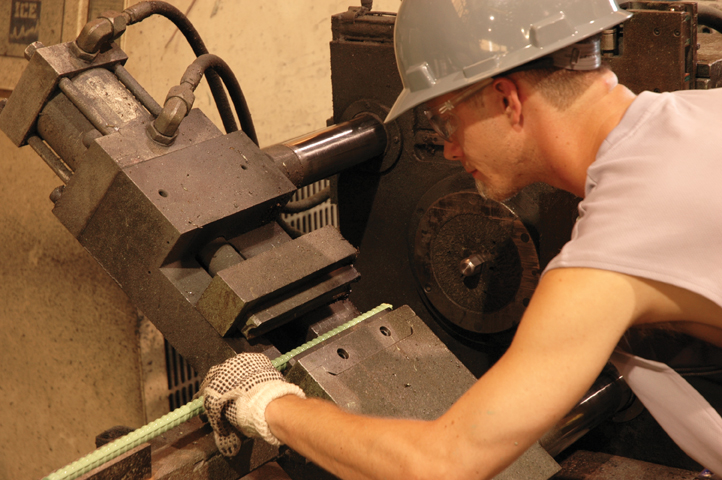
(709, 17)
(292, 231)
(308, 203)
(137, 437)
(215, 64)
(143, 10)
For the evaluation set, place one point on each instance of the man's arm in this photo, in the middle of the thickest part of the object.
(574, 321)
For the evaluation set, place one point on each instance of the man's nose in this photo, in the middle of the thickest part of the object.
(452, 151)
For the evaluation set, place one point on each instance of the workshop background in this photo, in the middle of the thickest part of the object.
(76, 357)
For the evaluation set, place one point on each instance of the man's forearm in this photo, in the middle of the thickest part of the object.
(352, 446)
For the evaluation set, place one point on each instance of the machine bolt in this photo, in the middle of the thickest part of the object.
(57, 193)
(31, 49)
(471, 265)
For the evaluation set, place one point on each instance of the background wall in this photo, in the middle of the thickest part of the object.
(68, 335)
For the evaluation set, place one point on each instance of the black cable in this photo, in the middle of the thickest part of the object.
(141, 11)
(709, 17)
(201, 65)
(292, 231)
(699, 371)
(308, 203)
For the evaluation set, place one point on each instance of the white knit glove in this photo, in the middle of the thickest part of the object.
(236, 395)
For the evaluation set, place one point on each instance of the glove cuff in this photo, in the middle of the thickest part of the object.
(251, 410)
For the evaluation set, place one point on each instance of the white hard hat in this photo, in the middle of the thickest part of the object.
(444, 45)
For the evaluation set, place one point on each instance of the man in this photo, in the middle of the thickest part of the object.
(518, 95)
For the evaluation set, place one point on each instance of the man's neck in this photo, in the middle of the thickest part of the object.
(571, 145)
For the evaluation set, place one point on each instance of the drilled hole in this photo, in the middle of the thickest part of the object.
(342, 353)
(162, 193)
(385, 331)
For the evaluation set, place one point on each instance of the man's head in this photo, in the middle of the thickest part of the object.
(497, 128)
(444, 45)
(491, 55)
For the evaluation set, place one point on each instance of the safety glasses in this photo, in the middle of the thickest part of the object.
(442, 118)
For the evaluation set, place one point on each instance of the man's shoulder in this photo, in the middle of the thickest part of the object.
(669, 124)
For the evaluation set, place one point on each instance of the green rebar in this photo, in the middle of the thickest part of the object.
(170, 420)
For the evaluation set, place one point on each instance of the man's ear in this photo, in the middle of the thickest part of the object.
(511, 99)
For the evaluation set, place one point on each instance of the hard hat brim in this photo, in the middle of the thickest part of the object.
(409, 99)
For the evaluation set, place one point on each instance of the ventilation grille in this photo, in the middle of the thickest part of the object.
(183, 381)
(318, 216)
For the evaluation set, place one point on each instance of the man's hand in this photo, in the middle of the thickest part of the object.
(236, 395)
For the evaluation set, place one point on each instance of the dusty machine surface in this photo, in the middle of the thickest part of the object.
(186, 219)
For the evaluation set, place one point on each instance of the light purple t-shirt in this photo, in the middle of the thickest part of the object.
(653, 196)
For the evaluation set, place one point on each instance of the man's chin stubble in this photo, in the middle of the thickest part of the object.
(488, 194)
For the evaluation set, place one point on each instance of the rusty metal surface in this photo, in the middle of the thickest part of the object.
(457, 225)
(658, 47)
(225, 185)
(134, 464)
(534, 464)
(236, 292)
(38, 82)
(114, 102)
(584, 465)
(709, 61)
(269, 471)
(143, 211)
(146, 211)
(188, 452)
(314, 294)
(108, 155)
(62, 125)
(393, 365)
(390, 365)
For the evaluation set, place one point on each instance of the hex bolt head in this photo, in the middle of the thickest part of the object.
(472, 265)
(157, 137)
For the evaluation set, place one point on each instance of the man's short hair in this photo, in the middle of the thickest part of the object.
(558, 86)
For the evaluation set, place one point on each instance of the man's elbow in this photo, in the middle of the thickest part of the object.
(436, 467)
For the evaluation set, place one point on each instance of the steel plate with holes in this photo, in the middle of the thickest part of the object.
(392, 365)
(461, 225)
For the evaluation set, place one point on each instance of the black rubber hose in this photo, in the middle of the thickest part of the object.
(308, 203)
(141, 11)
(292, 231)
(709, 17)
(200, 65)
